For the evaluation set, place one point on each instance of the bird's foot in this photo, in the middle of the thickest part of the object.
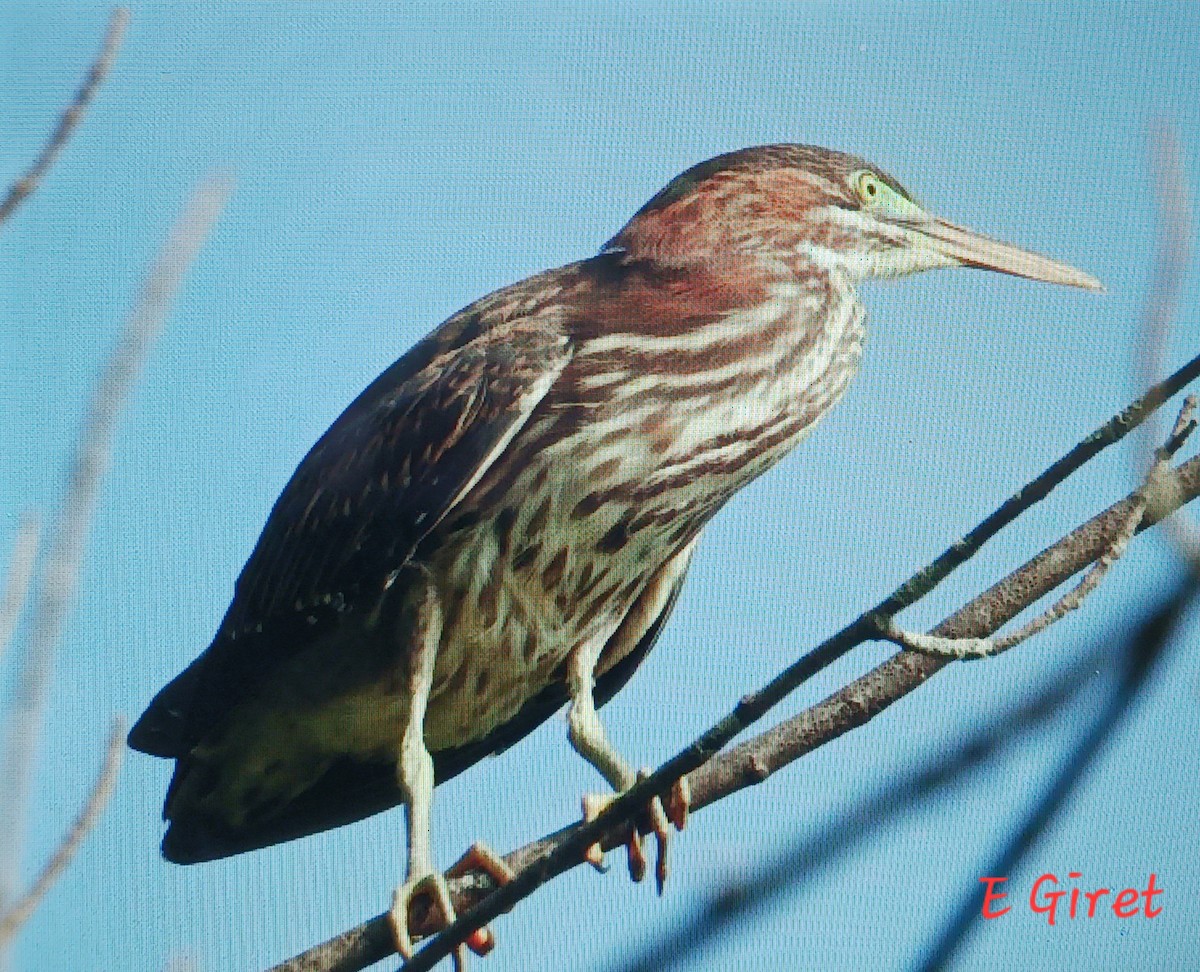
(679, 802)
(659, 821)
(433, 888)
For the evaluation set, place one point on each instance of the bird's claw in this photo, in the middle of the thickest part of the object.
(593, 806)
(432, 886)
(660, 821)
(678, 801)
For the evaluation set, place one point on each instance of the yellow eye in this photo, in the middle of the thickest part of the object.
(870, 189)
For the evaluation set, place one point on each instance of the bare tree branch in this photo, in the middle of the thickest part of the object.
(858, 822)
(20, 572)
(71, 117)
(69, 531)
(97, 800)
(1153, 634)
(756, 760)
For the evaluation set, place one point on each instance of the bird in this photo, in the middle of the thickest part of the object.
(500, 523)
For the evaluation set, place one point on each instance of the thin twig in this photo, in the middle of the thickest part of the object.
(70, 118)
(97, 800)
(755, 760)
(69, 531)
(20, 572)
(1155, 490)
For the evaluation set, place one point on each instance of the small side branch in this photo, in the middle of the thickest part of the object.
(97, 800)
(71, 116)
(1156, 491)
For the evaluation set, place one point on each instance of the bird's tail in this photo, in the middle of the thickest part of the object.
(163, 729)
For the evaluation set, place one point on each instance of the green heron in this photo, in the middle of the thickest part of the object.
(501, 522)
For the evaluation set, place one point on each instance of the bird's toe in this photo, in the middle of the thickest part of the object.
(481, 859)
(593, 805)
(678, 803)
(660, 826)
(436, 894)
(658, 820)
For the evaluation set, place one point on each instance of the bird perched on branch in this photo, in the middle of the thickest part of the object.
(501, 522)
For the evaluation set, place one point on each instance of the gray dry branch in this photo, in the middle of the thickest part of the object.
(740, 902)
(1159, 485)
(713, 775)
(67, 536)
(24, 907)
(71, 116)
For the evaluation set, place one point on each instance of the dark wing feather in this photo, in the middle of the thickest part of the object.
(374, 487)
(358, 506)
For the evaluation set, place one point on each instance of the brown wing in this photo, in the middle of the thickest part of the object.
(356, 509)
(373, 488)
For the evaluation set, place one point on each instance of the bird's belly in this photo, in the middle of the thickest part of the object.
(553, 566)
(515, 604)
(511, 623)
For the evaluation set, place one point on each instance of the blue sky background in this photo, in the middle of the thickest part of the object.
(396, 161)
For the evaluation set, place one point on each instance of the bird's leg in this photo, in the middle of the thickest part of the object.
(589, 739)
(415, 776)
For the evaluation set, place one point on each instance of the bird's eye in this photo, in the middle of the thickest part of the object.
(868, 186)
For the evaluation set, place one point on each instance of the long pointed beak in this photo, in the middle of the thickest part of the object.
(973, 249)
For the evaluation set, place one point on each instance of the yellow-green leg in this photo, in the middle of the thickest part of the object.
(414, 772)
(589, 739)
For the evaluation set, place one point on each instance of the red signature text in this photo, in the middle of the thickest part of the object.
(1046, 898)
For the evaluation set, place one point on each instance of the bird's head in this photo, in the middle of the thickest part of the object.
(797, 208)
